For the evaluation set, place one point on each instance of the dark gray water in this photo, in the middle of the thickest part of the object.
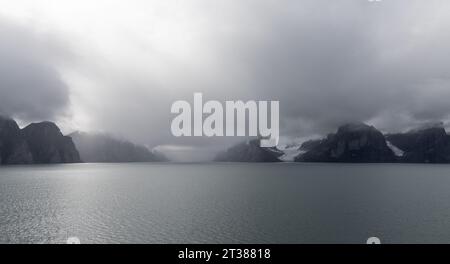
(225, 203)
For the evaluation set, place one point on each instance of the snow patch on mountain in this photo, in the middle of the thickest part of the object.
(290, 152)
(398, 152)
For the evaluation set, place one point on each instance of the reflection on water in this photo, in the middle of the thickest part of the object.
(225, 203)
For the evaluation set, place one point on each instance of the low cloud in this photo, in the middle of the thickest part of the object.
(31, 87)
(327, 62)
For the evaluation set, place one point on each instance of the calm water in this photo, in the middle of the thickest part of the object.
(225, 203)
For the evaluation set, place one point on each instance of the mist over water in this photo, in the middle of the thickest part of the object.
(225, 203)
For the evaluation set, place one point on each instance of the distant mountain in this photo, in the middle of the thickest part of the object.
(249, 151)
(290, 151)
(105, 148)
(43, 143)
(39, 143)
(358, 143)
(429, 144)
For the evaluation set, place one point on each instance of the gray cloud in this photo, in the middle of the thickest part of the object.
(31, 87)
(328, 62)
(334, 62)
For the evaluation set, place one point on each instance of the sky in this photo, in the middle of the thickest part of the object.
(117, 66)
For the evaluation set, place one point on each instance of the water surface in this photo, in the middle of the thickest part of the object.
(225, 203)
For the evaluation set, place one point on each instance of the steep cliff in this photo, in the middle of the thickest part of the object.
(352, 143)
(425, 145)
(13, 146)
(48, 145)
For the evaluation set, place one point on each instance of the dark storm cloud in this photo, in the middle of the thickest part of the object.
(31, 88)
(331, 62)
(327, 62)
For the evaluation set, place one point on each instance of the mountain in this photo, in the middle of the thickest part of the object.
(290, 151)
(48, 145)
(249, 151)
(358, 143)
(429, 144)
(13, 147)
(310, 144)
(38, 143)
(105, 148)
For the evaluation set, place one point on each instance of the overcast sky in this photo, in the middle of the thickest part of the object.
(117, 66)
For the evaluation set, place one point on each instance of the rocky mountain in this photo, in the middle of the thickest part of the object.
(105, 148)
(13, 146)
(310, 144)
(37, 143)
(358, 143)
(249, 151)
(429, 144)
(43, 143)
(289, 151)
(48, 145)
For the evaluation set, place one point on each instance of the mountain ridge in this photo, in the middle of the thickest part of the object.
(355, 143)
(37, 143)
(104, 148)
